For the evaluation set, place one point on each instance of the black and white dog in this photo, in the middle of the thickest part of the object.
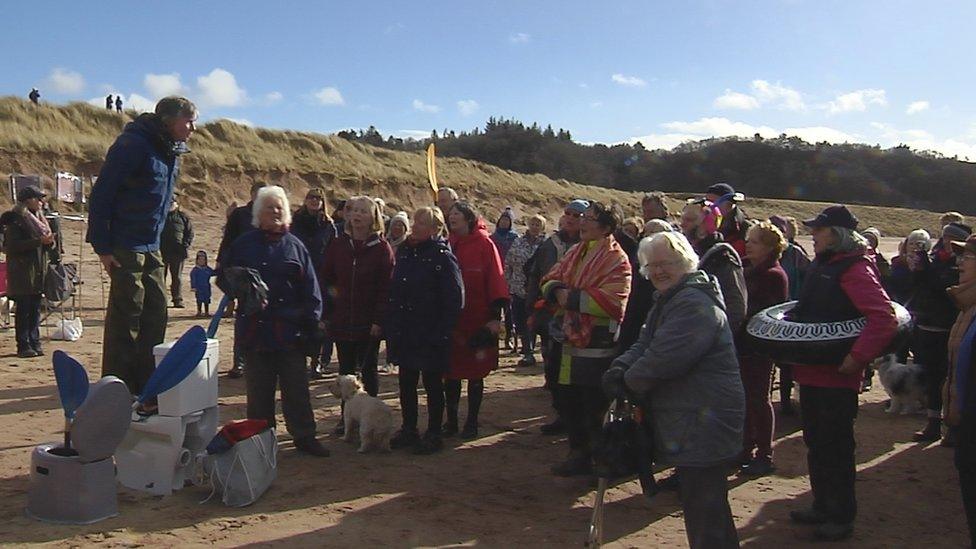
(904, 383)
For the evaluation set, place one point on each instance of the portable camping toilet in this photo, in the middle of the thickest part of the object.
(160, 452)
(77, 485)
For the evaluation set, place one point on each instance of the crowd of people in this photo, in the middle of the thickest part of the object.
(649, 308)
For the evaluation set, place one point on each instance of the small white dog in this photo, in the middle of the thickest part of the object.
(904, 383)
(372, 417)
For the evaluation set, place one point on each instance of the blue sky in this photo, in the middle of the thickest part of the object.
(883, 72)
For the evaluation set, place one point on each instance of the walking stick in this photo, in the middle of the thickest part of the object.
(594, 536)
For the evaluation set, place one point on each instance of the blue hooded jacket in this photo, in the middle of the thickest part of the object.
(130, 200)
(294, 300)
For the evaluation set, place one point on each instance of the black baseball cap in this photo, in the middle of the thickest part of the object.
(834, 216)
(28, 192)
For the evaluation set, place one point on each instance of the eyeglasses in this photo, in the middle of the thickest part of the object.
(967, 257)
(571, 213)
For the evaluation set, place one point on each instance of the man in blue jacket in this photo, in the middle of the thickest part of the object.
(127, 211)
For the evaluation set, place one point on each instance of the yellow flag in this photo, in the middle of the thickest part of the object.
(432, 170)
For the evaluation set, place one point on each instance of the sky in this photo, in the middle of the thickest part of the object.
(661, 72)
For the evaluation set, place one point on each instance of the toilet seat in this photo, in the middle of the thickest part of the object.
(102, 420)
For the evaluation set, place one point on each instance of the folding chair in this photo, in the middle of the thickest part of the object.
(4, 300)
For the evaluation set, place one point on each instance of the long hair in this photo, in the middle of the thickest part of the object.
(376, 226)
(847, 240)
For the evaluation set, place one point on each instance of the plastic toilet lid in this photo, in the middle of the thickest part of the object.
(102, 420)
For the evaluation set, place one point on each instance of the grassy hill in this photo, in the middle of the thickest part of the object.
(227, 157)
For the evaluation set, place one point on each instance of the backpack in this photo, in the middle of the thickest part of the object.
(59, 281)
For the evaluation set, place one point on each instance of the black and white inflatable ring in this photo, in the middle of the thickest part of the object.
(786, 341)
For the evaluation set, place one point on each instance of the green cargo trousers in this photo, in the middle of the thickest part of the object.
(136, 318)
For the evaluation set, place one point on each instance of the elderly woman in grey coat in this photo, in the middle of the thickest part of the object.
(684, 362)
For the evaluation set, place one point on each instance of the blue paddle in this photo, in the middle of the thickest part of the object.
(72, 380)
(181, 359)
(215, 321)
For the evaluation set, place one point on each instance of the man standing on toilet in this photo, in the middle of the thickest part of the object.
(127, 211)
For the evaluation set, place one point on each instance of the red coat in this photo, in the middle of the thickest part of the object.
(862, 284)
(484, 283)
(355, 280)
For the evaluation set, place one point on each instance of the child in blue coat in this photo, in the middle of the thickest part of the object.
(200, 282)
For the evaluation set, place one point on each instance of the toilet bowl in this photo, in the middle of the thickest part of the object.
(77, 485)
(160, 452)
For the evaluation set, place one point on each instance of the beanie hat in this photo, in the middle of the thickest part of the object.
(872, 234)
(779, 222)
(957, 231)
(401, 217)
(578, 205)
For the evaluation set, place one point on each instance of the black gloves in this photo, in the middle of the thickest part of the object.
(613, 383)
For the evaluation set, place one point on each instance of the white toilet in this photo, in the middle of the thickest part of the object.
(160, 452)
(77, 485)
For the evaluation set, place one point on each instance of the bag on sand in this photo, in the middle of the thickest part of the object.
(59, 281)
(68, 329)
(244, 472)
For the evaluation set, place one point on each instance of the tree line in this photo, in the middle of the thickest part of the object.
(781, 167)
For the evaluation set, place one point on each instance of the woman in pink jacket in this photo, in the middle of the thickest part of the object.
(843, 283)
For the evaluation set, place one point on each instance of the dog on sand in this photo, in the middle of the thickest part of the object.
(904, 383)
(370, 416)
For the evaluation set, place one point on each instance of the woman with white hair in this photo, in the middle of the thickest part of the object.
(272, 339)
(355, 279)
(684, 362)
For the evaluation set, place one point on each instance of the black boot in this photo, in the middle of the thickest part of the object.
(451, 427)
(470, 431)
(931, 433)
(555, 427)
(404, 438)
(311, 446)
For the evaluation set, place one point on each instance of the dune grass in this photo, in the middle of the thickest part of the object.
(227, 157)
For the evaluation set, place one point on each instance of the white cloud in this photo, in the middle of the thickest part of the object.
(519, 38)
(139, 103)
(924, 141)
(777, 95)
(596, 104)
(241, 121)
(625, 80)
(857, 101)
(329, 96)
(467, 107)
(717, 127)
(419, 105)
(735, 100)
(220, 89)
(273, 97)
(161, 85)
(705, 128)
(917, 107)
(64, 81)
(412, 134)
